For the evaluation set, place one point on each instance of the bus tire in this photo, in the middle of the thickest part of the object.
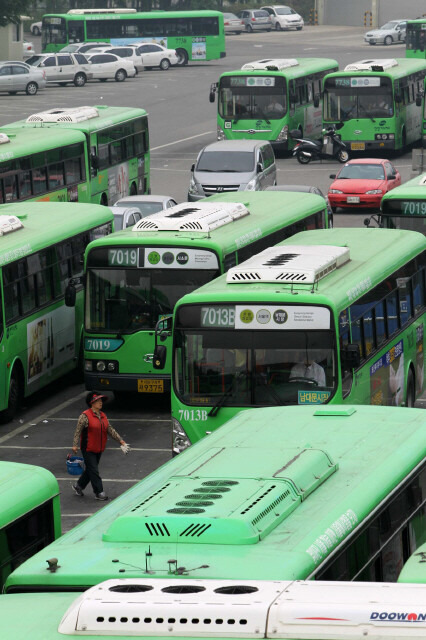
(164, 64)
(80, 80)
(404, 139)
(411, 390)
(14, 397)
(31, 88)
(388, 40)
(120, 76)
(104, 200)
(182, 57)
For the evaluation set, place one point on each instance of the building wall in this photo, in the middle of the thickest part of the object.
(351, 12)
(11, 39)
(390, 9)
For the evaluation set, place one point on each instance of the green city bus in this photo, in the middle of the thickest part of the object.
(326, 316)
(415, 39)
(29, 515)
(280, 493)
(405, 206)
(195, 35)
(41, 248)
(266, 99)
(135, 277)
(378, 102)
(113, 150)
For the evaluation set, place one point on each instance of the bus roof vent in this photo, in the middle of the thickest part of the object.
(372, 65)
(79, 12)
(422, 181)
(295, 264)
(174, 606)
(193, 216)
(72, 114)
(271, 64)
(9, 224)
(4, 138)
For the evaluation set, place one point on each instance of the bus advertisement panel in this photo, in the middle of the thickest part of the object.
(324, 317)
(268, 98)
(29, 515)
(195, 35)
(41, 247)
(116, 149)
(378, 102)
(415, 41)
(135, 277)
(405, 206)
(269, 496)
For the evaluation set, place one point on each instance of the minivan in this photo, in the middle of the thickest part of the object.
(232, 165)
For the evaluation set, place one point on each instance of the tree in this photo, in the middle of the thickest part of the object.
(12, 10)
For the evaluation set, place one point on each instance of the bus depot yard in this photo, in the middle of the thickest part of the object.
(181, 122)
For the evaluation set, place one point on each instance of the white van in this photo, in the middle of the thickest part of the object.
(284, 18)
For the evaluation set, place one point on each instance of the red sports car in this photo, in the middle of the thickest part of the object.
(362, 183)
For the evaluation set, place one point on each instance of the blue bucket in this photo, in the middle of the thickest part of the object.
(75, 465)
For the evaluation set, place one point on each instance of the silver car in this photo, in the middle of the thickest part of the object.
(63, 68)
(146, 204)
(232, 165)
(232, 24)
(20, 76)
(392, 32)
(125, 217)
(255, 20)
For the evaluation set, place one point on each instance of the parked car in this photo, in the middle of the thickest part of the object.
(125, 217)
(63, 68)
(305, 188)
(255, 20)
(233, 24)
(20, 76)
(155, 55)
(122, 52)
(147, 204)
(106, 66)
(27, 49)
(83, 47)
(362, 183)
(232, 165)
(35, 28)
(392, 32)
(284, 18)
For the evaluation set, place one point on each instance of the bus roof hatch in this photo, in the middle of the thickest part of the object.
(295, 264)
(372, 65)
(71, 114)
(272, 64)
(9, 223)
(191, 216)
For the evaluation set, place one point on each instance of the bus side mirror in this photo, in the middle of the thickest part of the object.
(213, 89)
(316, 100)
(160, 354)
(419, 100)
(94, 161)
(351, 356)
(70, 295)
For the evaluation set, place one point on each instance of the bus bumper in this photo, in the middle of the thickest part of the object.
(370, 145)
(127, 382)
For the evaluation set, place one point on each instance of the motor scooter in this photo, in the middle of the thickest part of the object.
(330, 146)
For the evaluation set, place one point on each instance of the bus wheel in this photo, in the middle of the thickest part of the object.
(404, 139)
(13, 401)
(80, 80)
(411, 390)
(182, 57)
(104, 200)
(120, 76)
(164, 64)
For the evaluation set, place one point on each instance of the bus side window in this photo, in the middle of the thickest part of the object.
(368, 332)
(419, 290)
(392, 313)
(379, 320)
(405, 299)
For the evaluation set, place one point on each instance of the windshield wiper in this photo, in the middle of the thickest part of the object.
(215, 408)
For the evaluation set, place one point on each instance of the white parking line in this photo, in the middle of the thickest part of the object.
(169, 144)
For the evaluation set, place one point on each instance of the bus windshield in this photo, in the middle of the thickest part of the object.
(252, 97)
(54, 31)
(409, 223)
(344, 100)
(128, 300)
(249, 368)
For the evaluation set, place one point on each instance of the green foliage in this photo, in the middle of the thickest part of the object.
(12, 10)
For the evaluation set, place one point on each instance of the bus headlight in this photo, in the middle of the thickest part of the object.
(220, 133)
(374, 192)
(251, 186)
(180, 440)
(100, 365)
(283, 134)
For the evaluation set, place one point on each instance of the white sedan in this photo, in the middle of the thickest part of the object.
(155, 55)
(107, 66)
(122, 52)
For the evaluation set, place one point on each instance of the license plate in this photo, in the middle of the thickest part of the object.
(150, 386)
(358, 146)
(352, 199)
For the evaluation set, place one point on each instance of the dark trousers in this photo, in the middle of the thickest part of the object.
(91, 472)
